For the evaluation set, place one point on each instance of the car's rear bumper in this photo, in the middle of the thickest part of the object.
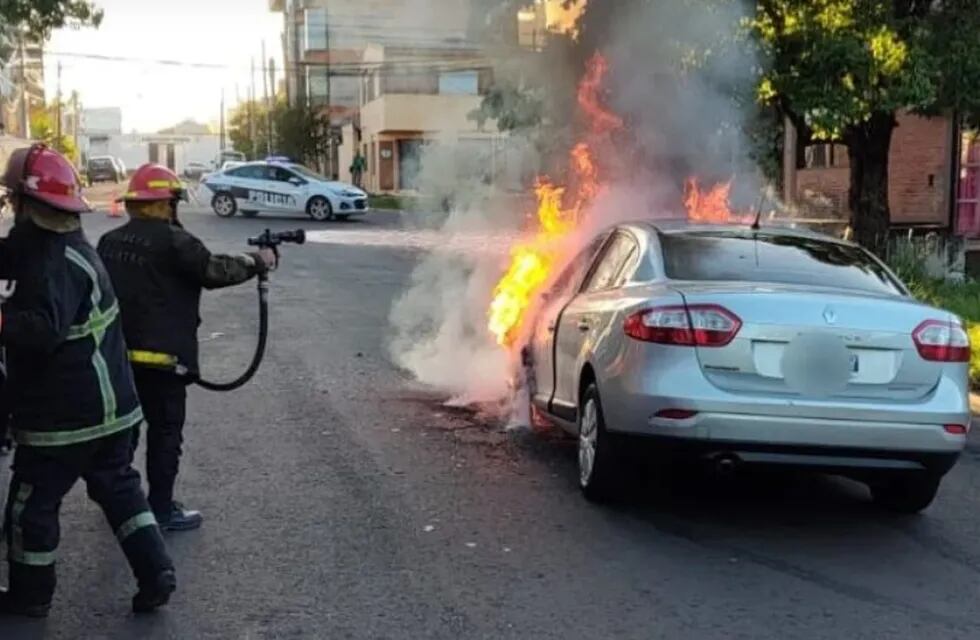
(811, 442)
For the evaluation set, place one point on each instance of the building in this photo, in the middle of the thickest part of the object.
(101, 134)
(379, 69)
(410, 98)
(933, 180)
(21, 85)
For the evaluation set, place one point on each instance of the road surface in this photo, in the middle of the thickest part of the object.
(343, 501)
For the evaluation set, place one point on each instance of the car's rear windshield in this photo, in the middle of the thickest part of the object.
(774, 258)
(100, 162)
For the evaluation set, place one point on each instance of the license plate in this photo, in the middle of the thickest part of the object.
(854, 363)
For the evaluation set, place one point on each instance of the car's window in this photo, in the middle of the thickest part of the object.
(252, 172)
(617, 251)
(282, 175)
(775, 258)
(307, 173)
(571, 277)
(629, 267)
(100, 163)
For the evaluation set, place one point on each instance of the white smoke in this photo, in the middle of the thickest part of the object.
(675, 126)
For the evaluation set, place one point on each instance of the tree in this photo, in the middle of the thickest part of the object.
(40, 17)
(43, 130)
(299, 132)
(842, 69)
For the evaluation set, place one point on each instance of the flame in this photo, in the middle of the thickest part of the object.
(707, 206)
(558, 212)
(562, 16)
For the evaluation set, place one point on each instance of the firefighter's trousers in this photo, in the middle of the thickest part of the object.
(41, 479)
(163, 396)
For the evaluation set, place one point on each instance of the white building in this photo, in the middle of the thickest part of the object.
(101, 135)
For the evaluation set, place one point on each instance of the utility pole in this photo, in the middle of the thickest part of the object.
(272, 84)
(326, 72)
(25, 118)
(75, 122)
(251, 111)
(221, 123)
(268, 105)
(57, 107)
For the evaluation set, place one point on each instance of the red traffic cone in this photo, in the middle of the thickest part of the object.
(115, 208)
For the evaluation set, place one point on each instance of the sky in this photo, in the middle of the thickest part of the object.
(227, 33)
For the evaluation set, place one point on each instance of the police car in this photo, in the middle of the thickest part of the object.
(282, 186)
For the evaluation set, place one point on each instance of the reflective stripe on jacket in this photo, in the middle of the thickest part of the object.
(69, 378)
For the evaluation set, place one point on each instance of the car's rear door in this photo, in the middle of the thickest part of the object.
(586, 317)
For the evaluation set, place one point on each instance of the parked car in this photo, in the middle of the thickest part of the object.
(120, 167)
(286, 187)
(102, 169)
(742, 347)
(194, 170)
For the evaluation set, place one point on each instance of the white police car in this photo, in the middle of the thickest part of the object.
(282, 186)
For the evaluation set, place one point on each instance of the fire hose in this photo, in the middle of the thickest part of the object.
(267, 240)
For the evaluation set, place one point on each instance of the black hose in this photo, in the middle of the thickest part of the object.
(259, 348)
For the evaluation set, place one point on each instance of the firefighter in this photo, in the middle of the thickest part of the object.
(72, 401)
(159, 269)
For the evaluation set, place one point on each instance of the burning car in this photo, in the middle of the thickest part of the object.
(745, 346)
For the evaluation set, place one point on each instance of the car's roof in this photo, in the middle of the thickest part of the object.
(680, 226)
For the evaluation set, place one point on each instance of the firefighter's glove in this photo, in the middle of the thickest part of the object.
(266, 260)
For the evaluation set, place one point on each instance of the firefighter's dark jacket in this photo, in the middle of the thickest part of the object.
(69, 379)
(158, 270)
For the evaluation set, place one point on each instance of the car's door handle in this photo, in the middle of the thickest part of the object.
(583, 325)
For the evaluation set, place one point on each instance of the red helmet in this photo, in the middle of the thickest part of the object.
(153, 182)
(45, 175)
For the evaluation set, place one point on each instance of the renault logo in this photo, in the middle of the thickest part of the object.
(830, 315)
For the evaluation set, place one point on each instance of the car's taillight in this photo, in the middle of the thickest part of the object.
(701, 325)
(939, 341)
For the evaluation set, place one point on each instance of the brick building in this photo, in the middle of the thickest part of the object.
(922, 171)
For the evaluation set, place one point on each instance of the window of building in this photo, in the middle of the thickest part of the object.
(824, 156)
(315, 29)
(459, 83)
(968, 189)
(316, 85)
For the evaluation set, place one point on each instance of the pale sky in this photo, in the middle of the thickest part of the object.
(154, 96)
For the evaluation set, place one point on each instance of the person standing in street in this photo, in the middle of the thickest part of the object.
(357, 168)
(70, 393)
(159, 270)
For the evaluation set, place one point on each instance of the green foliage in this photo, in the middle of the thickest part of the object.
(960, 298)
(834, 63)
(43, 129)
(40, 17)
(298, 132)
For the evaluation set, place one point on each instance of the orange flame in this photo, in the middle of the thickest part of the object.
(589, 94)
(707, 206)
(532, 261)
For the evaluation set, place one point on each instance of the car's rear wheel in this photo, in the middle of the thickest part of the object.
(319, 209)
(224, 205)
(907, 493)
(597, 458)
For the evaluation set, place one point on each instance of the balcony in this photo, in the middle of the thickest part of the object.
(419, 112)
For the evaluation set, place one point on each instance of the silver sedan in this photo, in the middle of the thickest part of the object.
(750, 347)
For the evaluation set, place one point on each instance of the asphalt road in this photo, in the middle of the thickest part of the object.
(343, 501)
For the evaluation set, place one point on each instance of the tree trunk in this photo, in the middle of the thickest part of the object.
(868, 145)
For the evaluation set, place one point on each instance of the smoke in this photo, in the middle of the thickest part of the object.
(681, 81)
(439, 324)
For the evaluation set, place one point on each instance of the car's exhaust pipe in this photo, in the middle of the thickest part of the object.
(726, 464)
